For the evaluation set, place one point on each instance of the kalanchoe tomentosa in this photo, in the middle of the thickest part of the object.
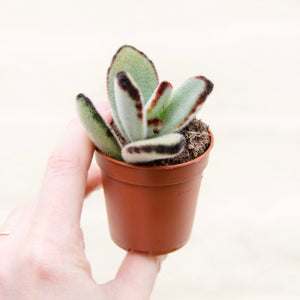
(147, 113)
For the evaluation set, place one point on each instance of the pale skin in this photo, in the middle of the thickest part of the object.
(42, 246)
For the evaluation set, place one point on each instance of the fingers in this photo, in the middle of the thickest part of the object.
(64, 184)
(19, 217)
(94, 180)
(136, 276)
(104, 109)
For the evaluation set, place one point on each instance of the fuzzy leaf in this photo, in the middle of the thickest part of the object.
(153, 127)
(158, 100)
(141, 69)
(130, 107)
(98, 131)
(184, 104)
(166, 146)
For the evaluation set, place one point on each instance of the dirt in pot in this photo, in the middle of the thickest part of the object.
(197, 142)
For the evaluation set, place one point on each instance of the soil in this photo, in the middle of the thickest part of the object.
(197, 141)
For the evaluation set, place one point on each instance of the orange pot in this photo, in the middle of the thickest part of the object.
(151, 209)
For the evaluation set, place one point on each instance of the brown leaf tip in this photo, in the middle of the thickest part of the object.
(155, 122)
(208, 88)
(159, 92)
(80, 96)
(126, 85)
(162, 87)
(201, 98)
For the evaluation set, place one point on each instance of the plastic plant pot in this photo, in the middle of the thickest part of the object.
(151, 209)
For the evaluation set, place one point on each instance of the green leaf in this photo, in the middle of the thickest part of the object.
(162, 147)
(130, 107)
(159, 100)
(98, 131)
(185, 103)
(141, 69)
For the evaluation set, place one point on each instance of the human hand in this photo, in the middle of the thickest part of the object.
(42, 247)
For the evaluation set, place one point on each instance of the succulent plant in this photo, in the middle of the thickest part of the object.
(148, 115)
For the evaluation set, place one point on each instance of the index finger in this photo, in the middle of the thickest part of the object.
(64, 184)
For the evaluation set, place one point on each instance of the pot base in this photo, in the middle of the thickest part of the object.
(155, 252)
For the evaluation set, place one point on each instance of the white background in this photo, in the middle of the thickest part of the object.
(246, 238)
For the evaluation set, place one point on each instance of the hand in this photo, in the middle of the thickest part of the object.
(42, 247)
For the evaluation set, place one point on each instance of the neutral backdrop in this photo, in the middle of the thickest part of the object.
(246, 238)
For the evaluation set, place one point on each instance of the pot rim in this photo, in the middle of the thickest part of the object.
(136, 166)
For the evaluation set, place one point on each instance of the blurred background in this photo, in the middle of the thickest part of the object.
(246, 238)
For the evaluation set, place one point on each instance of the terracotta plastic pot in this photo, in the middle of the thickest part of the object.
(151, 209)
